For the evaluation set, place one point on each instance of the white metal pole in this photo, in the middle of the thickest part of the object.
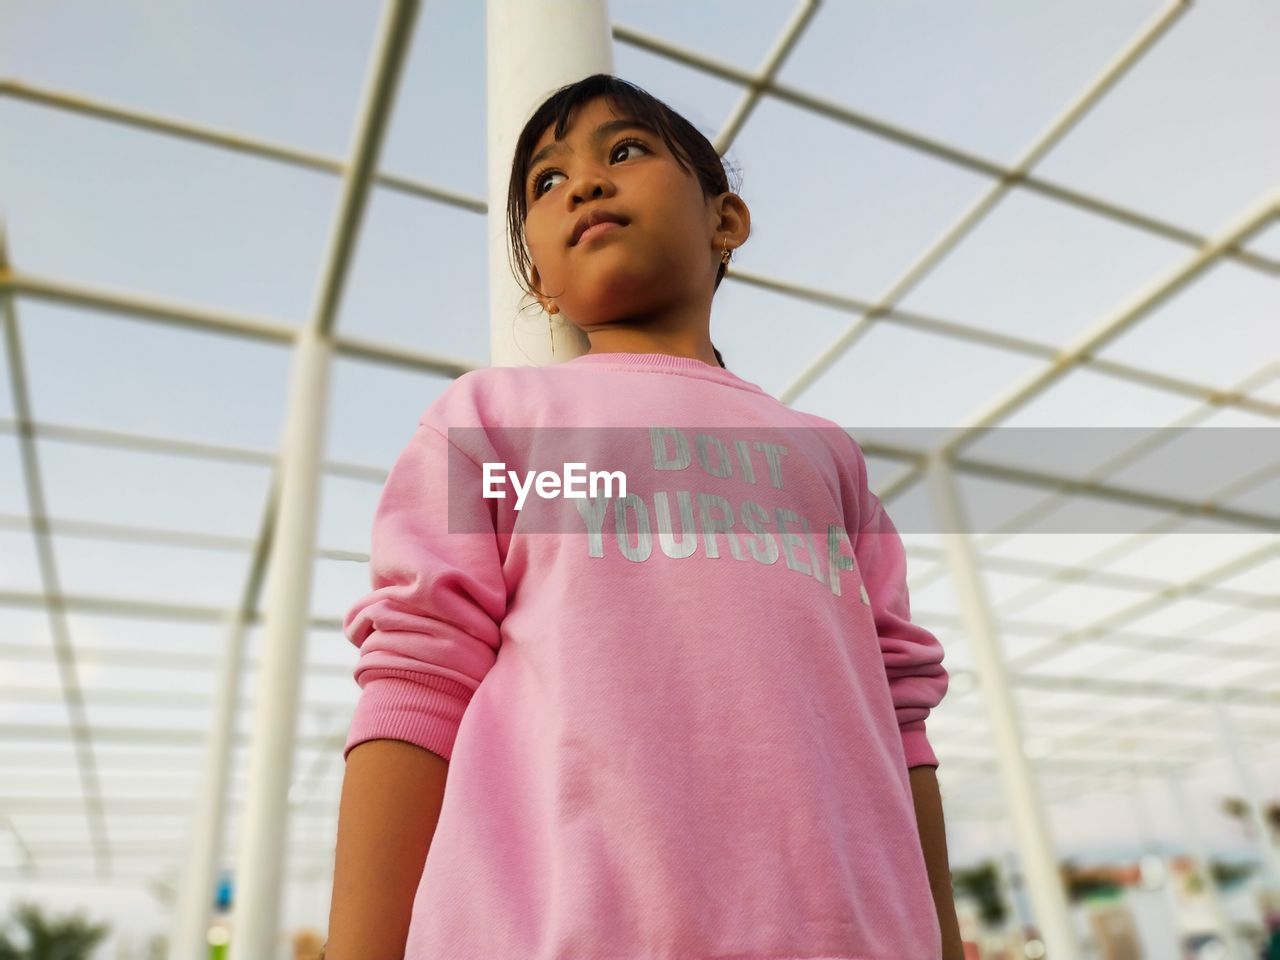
(264, 825)
(188, 939)
(1200, 860)
(1150, 848)
(534, 47)
(1006, 867)
(1143, 827)
(1021, 790)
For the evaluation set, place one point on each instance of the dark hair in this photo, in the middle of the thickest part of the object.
(693, 151)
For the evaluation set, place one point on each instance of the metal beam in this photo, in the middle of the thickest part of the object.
(55, 611)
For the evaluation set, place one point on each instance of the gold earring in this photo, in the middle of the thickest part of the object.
(724, 257)
(551, 333)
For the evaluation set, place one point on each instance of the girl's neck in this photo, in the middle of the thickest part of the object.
(643, 358)
(691, 344)
(662, 363)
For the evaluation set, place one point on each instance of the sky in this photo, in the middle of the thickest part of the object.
(1185, 137)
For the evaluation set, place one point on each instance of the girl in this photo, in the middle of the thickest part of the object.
(686, 731)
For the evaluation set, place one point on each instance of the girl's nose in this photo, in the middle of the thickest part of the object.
(589, 181)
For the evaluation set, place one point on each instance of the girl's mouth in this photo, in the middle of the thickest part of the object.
(599, 230)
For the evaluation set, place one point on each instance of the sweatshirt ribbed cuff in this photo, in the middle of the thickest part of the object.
(422, 709)
(916, 746)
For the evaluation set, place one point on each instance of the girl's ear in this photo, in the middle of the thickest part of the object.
(536, 282)
(735, 219)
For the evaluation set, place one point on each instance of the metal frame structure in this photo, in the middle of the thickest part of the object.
(292, 500)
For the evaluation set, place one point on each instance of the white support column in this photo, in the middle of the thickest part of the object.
(1021, 790)
(1013, 882)
(1253, 796)
(1199, 853)
(264, 824)
(1006, 867)
(264, 827)
(534, 47)
(188, 936)
(1142, 827)
(1143, 821)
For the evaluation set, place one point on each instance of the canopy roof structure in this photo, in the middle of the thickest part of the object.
(1044, 239)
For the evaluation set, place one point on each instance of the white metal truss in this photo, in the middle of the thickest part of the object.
(1091, 748)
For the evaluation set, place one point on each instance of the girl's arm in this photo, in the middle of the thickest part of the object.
(933, 841)
(391, 796)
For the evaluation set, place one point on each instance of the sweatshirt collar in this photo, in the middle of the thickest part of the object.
(662, 362)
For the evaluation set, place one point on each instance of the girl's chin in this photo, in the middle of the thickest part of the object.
(601, 291)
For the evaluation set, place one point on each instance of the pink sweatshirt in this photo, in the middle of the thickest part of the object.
(678, 722)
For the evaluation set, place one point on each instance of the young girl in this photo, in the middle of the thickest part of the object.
(677, 720)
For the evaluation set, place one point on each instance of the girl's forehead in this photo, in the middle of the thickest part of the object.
(586, 116)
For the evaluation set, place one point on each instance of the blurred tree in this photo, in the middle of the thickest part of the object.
(1089, 883)
(1236, 808)
(983, 884)
(1229, 875)
(49, 938)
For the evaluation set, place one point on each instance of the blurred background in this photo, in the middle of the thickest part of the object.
(1058, 219)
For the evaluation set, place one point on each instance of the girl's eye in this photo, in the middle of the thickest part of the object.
(546, 171)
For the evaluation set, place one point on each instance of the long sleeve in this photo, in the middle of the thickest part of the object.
(429, 629)
(912, 655)
(696, 656)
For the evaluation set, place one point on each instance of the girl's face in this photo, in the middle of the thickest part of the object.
(661, 263)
